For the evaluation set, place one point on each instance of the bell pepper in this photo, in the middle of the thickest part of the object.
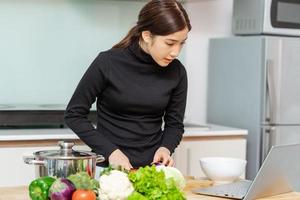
(39, 188)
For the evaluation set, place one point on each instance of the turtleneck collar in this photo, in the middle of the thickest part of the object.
(136, 49)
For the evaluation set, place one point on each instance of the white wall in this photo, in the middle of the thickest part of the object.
(209, 18)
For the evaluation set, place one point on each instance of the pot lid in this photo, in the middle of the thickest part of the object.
(65, 152)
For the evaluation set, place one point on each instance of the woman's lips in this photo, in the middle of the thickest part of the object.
(168, 60)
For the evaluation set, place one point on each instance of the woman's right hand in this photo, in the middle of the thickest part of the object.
(118, 158)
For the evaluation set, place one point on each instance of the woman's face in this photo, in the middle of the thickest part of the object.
(164, 49)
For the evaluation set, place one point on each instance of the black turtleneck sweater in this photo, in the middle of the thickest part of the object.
(134, 94)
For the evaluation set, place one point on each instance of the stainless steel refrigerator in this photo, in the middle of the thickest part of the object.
(254, 83)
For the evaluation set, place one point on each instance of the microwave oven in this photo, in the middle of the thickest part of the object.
(269, 17)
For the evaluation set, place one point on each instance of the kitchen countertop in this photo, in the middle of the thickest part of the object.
(212, 130)
(191, 130)
(21, 193)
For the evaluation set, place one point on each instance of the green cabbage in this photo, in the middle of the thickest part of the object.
(172, 172)
(82, 180)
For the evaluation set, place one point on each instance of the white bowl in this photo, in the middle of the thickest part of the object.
(222, 169)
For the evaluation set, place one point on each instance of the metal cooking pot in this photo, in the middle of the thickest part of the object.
(63, 162)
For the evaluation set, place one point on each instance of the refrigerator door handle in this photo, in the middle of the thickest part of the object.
(271, 95)
(274, 136)
(268, 141)
(272, 139)
(265, 143)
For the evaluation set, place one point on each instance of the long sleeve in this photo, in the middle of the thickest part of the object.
(133, 94)
(89, 88)
(173, 118)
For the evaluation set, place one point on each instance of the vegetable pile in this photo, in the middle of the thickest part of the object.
(146, 183)
(78, 186)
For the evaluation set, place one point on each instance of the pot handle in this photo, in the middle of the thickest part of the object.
(31, 160)
(99, 158)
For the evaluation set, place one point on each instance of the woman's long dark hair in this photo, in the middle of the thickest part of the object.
(160, 17)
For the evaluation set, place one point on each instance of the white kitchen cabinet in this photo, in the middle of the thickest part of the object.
(197, 142)
(208, 143)
(13, 171)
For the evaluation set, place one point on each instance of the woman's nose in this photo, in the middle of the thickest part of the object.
(175, 51)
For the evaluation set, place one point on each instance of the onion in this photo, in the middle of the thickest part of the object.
(61, 189)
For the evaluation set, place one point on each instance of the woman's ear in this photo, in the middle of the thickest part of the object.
(147, 36)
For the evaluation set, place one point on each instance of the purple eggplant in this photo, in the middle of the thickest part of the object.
(61, 189)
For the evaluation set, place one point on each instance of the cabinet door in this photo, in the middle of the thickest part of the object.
(189, 152)
(14, 171)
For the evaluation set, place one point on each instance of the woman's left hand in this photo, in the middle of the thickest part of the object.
(163, 155)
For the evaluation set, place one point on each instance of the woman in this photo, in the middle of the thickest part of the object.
(138, 84)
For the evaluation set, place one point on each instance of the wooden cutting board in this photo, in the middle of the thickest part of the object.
(14, 193)
(21, 192)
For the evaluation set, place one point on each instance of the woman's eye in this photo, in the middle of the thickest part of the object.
(169, 44)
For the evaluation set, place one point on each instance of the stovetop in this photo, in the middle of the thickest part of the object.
(35, 115)
(32, 107)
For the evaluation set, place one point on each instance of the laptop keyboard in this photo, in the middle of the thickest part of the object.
(236, 190)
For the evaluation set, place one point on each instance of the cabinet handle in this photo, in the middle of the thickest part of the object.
(188, 167)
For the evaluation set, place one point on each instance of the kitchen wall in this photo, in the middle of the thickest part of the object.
(47, 45)
(209, 18)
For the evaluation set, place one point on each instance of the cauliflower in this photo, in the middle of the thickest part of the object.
(115, 186)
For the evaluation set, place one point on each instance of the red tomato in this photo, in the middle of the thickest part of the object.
(84, 195)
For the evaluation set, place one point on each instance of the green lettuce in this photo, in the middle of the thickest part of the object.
(150, 184)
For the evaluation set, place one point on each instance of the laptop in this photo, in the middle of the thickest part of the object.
(279, 173)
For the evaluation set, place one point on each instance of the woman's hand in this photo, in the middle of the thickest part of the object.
(118, 158)
(163, 155)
